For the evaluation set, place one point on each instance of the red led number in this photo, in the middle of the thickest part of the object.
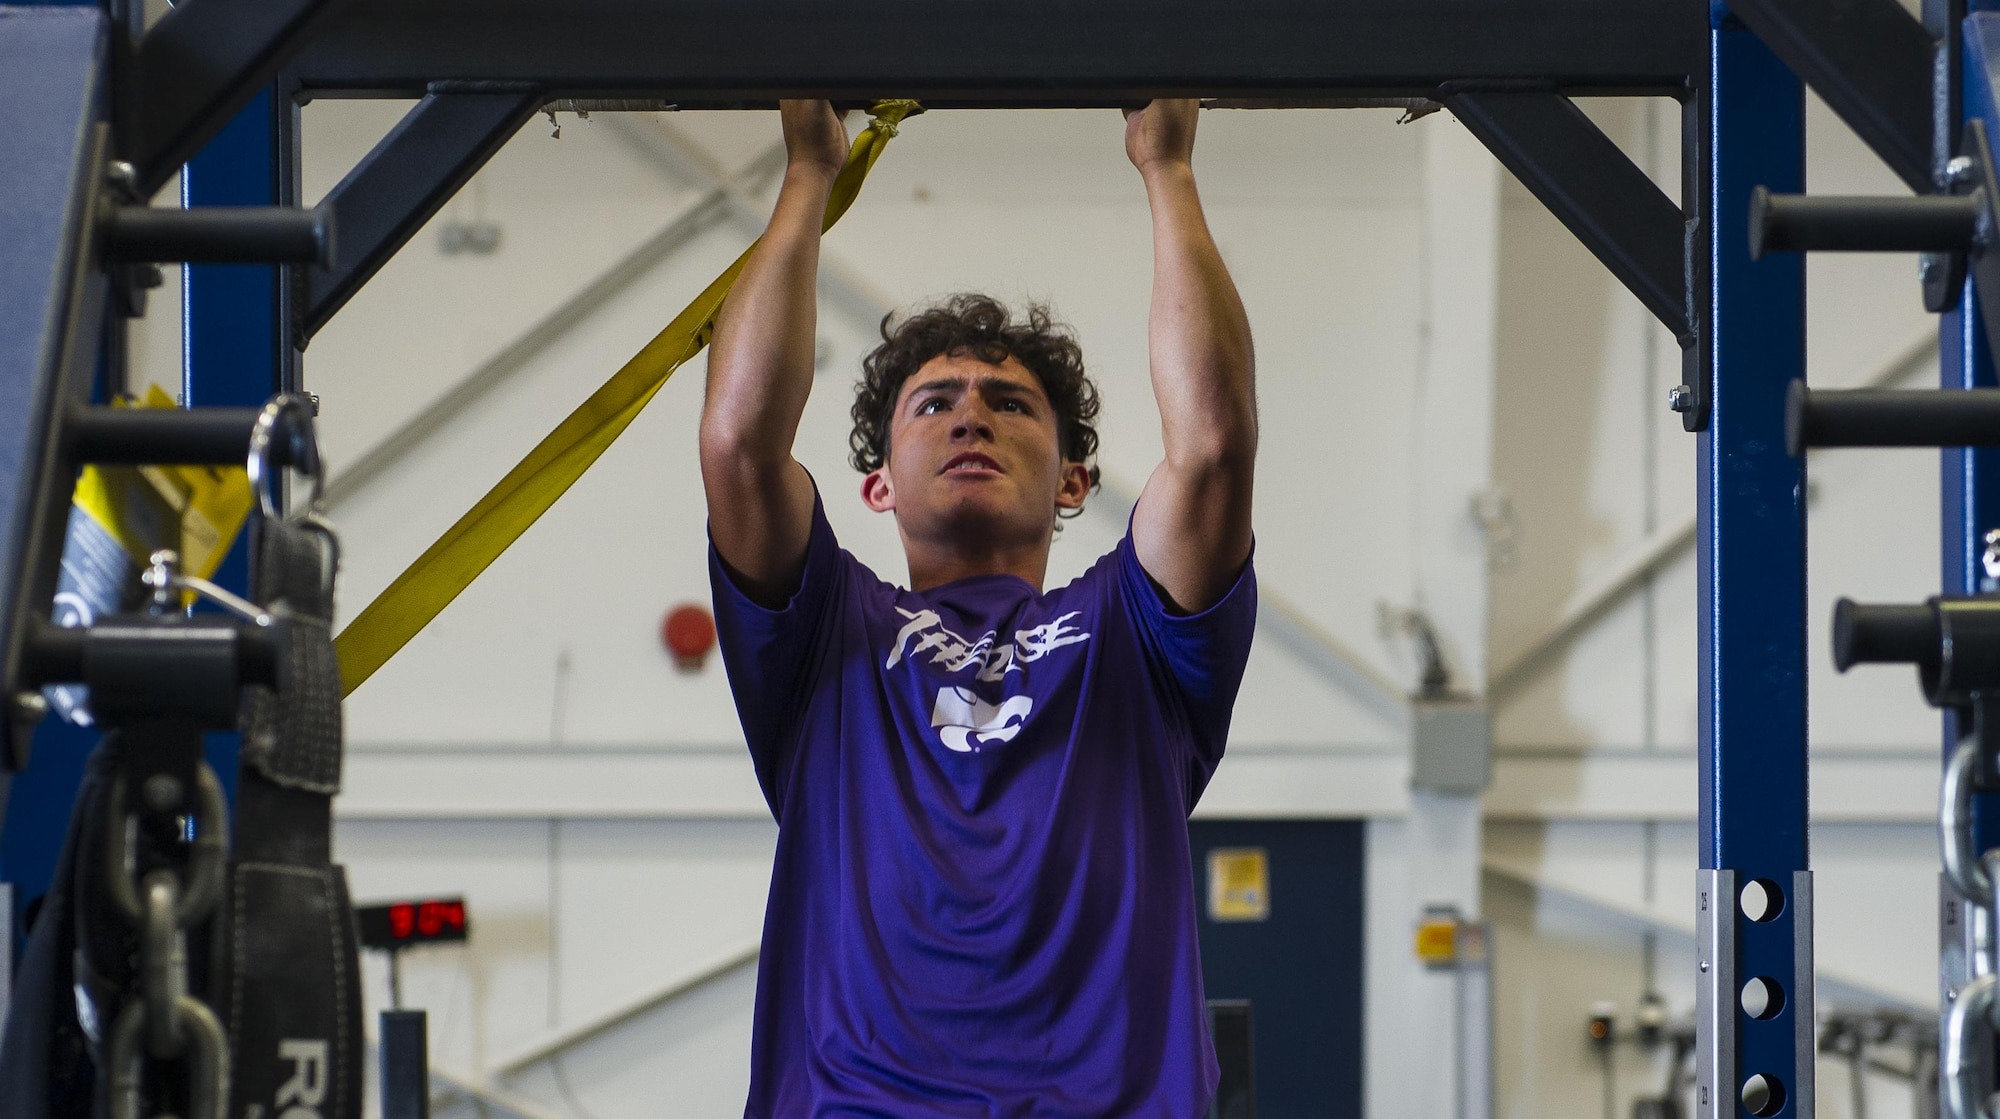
(435, 918)
(402, 920)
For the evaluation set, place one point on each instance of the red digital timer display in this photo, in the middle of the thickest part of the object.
(401, 924)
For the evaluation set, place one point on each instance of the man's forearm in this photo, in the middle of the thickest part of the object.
(1199, 334)
(761, 363)
(760, 372)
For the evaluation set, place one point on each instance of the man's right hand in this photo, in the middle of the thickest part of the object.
(815, 138)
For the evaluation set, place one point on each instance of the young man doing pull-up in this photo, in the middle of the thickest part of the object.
(982, 903)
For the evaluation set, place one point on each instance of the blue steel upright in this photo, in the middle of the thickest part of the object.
(1970, 486)
(233, 347)
(1752, 588)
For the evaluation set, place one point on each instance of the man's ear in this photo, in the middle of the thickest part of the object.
(1073, 486)
(876, 491)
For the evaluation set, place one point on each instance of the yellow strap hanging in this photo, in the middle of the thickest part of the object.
(447, 567)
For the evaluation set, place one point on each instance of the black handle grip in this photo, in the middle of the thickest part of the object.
(1929, 223)
(220, 235)
(56, 655)
(1890, 418)
(158, 436)
(1883, 634)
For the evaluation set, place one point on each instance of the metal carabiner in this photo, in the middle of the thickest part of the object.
(201, 1036)
(308, 462)
(1962, 864)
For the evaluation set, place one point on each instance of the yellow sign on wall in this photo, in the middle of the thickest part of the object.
(1239, 884)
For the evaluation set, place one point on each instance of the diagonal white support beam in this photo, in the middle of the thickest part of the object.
(448, 1086)
(657, 141)
(495, 371)
(1292, 628)
(1602, 596)
(726, 199)
(569, 1037)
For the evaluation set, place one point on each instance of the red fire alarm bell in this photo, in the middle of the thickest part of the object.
(688, 632)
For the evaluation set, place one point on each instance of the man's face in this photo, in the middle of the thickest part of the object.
(974, 457)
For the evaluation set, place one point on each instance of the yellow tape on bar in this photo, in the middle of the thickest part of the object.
(422, 591)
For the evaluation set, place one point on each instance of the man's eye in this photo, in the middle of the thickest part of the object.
(931, 406)
(1014, 406)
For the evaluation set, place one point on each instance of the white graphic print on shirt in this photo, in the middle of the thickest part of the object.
(961, 717)
(964, 721)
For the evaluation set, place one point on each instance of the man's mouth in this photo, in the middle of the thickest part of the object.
(970, 462)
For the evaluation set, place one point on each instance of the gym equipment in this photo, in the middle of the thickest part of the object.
(86, 89)
(1952, 639)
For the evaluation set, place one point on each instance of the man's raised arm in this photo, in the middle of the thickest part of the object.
(760, 370)
(1192, 526)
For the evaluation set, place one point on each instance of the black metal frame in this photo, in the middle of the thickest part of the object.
(201, 63)
(951, 53)
(408, 176)
(484, 66)
(1604, 198)
(1870, 61)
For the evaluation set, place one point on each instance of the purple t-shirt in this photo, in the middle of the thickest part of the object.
(982, 903)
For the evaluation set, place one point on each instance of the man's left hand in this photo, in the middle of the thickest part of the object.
(1161, 134)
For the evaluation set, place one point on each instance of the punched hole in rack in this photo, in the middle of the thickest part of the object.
(1761, 900)
(1763, 1096)
(1762, 998)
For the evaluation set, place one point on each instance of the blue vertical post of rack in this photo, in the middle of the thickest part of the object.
(1755, 891)
(232, 341)
(1971, 475)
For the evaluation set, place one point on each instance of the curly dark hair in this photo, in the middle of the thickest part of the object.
(981, 326)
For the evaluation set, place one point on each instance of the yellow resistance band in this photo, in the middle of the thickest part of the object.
(422, 591)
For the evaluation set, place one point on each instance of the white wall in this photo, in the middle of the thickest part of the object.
(535, 750)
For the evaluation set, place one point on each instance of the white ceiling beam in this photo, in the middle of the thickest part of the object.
(1603, 595)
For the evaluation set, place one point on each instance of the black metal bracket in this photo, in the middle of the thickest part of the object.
(201, 63)
(1872, 63)
(1609, 202)
(405, 180)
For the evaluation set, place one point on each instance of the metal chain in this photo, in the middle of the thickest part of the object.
(165, 1022)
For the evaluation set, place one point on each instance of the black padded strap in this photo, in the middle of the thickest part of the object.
(293, 997)
(289, 973)
(296, 742)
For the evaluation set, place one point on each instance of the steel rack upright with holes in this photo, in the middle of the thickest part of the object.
(1751, 590)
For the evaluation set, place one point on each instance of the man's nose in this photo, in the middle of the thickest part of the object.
(972, 422)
